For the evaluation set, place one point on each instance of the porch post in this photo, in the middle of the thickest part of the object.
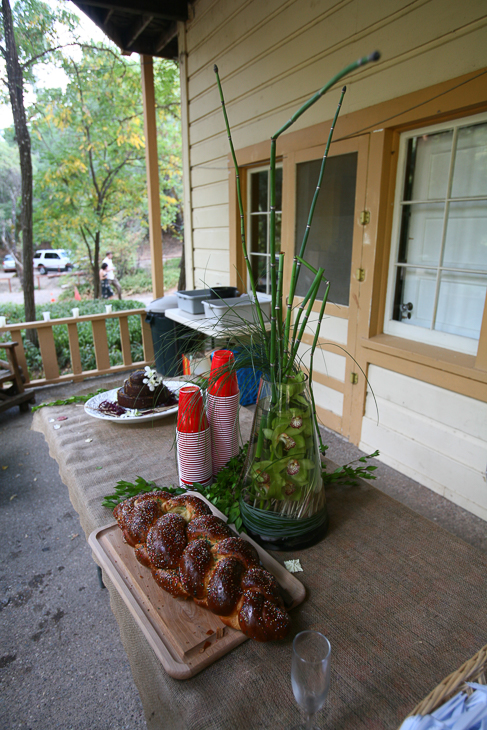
(151, 162)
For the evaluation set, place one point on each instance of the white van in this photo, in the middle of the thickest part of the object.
(52, 260)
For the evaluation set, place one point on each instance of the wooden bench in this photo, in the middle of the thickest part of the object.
(15, 394)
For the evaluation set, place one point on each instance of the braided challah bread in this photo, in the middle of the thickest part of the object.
(193, 554)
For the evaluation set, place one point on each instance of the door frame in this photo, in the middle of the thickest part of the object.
(360, 144)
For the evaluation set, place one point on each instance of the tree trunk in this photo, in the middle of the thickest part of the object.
(96, 267)
(16, 92)
(182, 272)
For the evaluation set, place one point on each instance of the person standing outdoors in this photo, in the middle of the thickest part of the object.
(112, 279)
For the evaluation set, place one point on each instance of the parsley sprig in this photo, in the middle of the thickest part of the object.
(70, 400)
(224, 493)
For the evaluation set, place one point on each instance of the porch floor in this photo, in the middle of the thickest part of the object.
(62, 663)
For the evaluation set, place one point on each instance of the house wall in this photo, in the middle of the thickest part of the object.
(435, 436)
(272, 57)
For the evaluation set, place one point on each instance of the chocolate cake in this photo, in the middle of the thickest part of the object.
(136, 394)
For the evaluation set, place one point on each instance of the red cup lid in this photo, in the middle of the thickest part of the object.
(191, 414)
(223, 380)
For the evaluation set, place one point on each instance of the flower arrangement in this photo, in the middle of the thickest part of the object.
(282, 474)
(152, 378)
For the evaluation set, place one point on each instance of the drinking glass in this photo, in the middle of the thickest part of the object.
(310, 673)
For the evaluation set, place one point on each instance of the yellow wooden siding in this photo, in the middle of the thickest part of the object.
(327, 363)
(272, 56)
(434, 436)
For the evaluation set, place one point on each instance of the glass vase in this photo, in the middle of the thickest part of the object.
(283, 501)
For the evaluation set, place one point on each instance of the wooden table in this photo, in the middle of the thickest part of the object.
(401, 600)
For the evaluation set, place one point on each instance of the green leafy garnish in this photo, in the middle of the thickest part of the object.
(71, 399)
(124, 490)
(225, 491)
(349, 474)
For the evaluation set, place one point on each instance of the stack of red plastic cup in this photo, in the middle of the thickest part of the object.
(193, 438)
(222, 409)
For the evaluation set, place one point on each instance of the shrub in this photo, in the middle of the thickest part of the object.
(15, 313)
(141, 280)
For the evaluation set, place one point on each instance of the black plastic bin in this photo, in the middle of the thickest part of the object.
(170, 339)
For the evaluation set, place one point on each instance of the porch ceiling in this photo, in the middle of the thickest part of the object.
(148, 27)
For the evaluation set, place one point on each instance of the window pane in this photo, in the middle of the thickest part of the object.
(279, 188)
(278, 231)
(415, 296)
(428, 162)
(258, 194)
(331, 238)
(259, 272)
(421, 232)
(258, 232)
(470, 173)
(466, 236)
(461, 304)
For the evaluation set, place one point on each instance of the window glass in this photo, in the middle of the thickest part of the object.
(331, 236)
(415, 296)
(259, 191)
(440, 278)
(461, 304)
(258, 224)
(427, 166)
(422, 226)
(259, 233)
(37, 255)
(466, 235)
(470, 175)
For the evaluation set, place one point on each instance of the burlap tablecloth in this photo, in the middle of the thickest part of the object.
(401, 600)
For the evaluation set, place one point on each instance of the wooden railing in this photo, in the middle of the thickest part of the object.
(100, 342)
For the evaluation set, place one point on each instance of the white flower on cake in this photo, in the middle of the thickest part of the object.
(152, 378)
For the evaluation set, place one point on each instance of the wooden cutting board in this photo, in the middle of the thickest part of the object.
(184, 637)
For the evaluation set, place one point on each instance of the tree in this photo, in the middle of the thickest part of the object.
(29, 36)
(10, 188)
(89, 141)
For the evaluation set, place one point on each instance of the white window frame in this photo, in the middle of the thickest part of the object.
(394, 327)
(251, 171)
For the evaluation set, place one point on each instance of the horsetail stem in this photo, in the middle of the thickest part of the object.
(297, 338)
(295, 276)
(279, 306)
(312, 353)
(348, 69)
(240, 205)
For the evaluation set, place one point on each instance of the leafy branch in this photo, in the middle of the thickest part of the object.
(348, 474)
(124, 490)
(225, 491)
(70, 400)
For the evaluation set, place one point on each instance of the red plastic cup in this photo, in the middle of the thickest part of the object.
(191, 414)
(222, 382)
(194, 457)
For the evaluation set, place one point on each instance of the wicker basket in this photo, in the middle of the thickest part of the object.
(474, 670)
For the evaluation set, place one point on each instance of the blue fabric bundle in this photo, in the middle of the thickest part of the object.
(459, 713)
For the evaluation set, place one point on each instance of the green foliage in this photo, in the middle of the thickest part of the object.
(38, 27)
(348, 474)
(124, 490)
(9, 189)
(141, 280)
(225, 491)
(70, 400)
(15, 313)
(91, 179)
